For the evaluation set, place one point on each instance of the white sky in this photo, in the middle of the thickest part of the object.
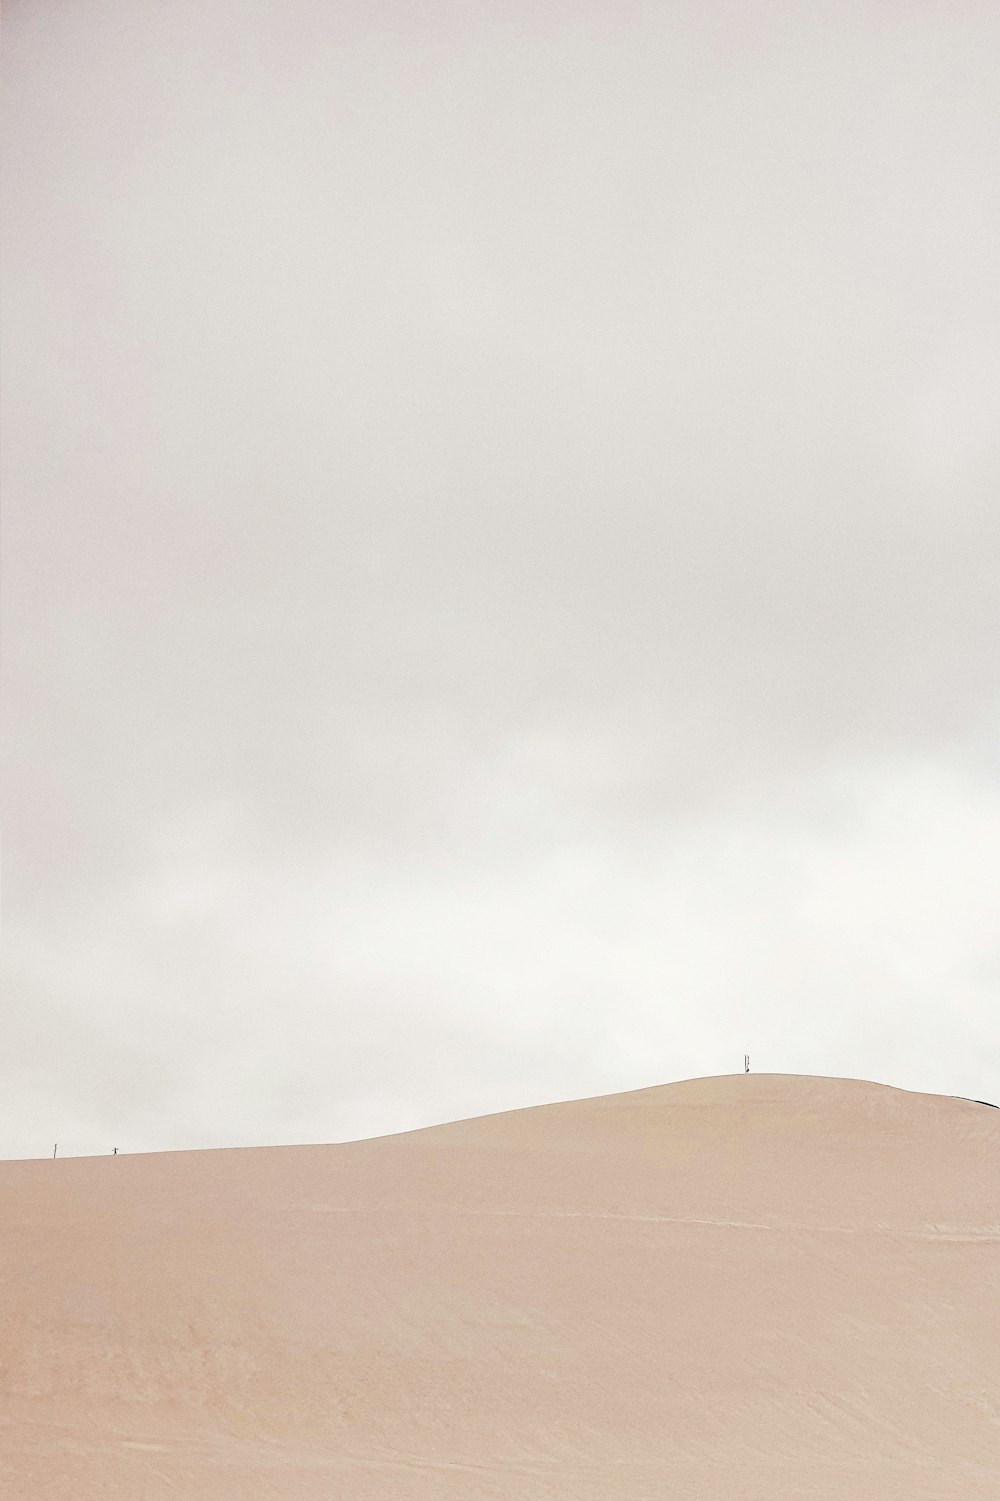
(502, 556)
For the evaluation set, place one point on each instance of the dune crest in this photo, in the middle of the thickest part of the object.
(764, 1286)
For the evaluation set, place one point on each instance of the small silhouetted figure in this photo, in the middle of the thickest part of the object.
(746, 1063)
(114, 1152)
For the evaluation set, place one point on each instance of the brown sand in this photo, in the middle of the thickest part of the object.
(745, 1287)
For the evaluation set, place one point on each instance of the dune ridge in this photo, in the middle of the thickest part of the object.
(752, 1285)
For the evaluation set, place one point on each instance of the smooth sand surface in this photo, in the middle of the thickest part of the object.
(743, 1287)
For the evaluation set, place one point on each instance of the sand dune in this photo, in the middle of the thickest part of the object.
(750, 1287)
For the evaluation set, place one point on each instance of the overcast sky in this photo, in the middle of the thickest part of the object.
(502, 549)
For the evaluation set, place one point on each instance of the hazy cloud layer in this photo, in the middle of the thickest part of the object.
(501, 557)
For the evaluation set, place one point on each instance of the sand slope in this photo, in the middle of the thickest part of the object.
(749, 1287)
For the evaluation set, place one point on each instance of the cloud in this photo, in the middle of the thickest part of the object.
(493, 514)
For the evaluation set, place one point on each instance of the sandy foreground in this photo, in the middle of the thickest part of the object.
(742, 1287)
